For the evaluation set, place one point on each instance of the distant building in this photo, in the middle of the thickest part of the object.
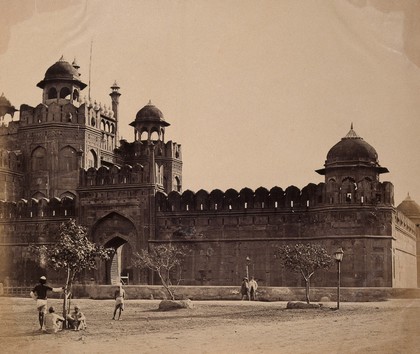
(64, 159)
(412, 210)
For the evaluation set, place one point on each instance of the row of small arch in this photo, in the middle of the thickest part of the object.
(65, 93)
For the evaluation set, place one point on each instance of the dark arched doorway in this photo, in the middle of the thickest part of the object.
(117, 232)
(118, 267)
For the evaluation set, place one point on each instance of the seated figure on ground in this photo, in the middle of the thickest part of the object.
(76, 319)
(52, 322)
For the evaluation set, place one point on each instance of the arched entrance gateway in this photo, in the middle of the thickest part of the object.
(117, 232)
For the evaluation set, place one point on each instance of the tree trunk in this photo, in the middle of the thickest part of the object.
(65, 308)
(307, 290)
(66, 298)
(166, 286)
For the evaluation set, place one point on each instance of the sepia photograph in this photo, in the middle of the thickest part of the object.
(210, 176)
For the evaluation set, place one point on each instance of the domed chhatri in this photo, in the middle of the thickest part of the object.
(150, 114)
(62, 70)
(352, 148)
(350, 154)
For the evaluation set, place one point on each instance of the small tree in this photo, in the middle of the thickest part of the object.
(166, 261)
(304, 259)
(72, 252)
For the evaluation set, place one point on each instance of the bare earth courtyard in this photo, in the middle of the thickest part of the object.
(218, 327)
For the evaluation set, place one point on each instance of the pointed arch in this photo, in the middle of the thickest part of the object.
(52, 93)
(92, 159)
(67, 159)
(65, 93)
(38, 195)
(116, 231)
(177, 184)
(75, 95)
(67, 194)
(39, 159)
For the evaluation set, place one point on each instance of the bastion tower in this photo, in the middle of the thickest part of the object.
(63, 134)
(352, 173)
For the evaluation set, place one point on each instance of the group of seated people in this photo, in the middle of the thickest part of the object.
(54, 323)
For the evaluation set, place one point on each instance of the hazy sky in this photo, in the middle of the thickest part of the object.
(256, 92)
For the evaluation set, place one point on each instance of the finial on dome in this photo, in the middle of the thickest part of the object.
(150, 102)
(352, 134)
(408, 196)
(62, 58)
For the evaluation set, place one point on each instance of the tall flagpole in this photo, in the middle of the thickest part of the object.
(90, 66)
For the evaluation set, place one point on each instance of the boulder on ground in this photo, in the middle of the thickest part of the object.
(168, 305)
(302, 305)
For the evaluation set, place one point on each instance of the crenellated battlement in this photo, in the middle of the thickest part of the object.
(292, 198)
(404, 223)
(115, 175)
(88, 113)
(37, 208)
(138, 149)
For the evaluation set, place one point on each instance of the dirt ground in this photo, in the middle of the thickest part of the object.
(218, 327)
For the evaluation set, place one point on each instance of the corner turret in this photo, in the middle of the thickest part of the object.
(62, 83)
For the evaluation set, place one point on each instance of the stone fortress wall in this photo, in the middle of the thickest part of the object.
(63, 160)
(223, 229)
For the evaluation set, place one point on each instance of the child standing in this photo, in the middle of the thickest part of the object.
(119, 296)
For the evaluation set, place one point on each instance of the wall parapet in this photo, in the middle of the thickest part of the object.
(115, 175)
(38, 208)
(292, 198)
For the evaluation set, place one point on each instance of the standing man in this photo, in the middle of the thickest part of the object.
(245, 289)
(119, 296)
(253, 288)
(39, 293)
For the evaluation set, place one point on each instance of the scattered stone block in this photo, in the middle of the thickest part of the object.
(169, 305)
(301, 305)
